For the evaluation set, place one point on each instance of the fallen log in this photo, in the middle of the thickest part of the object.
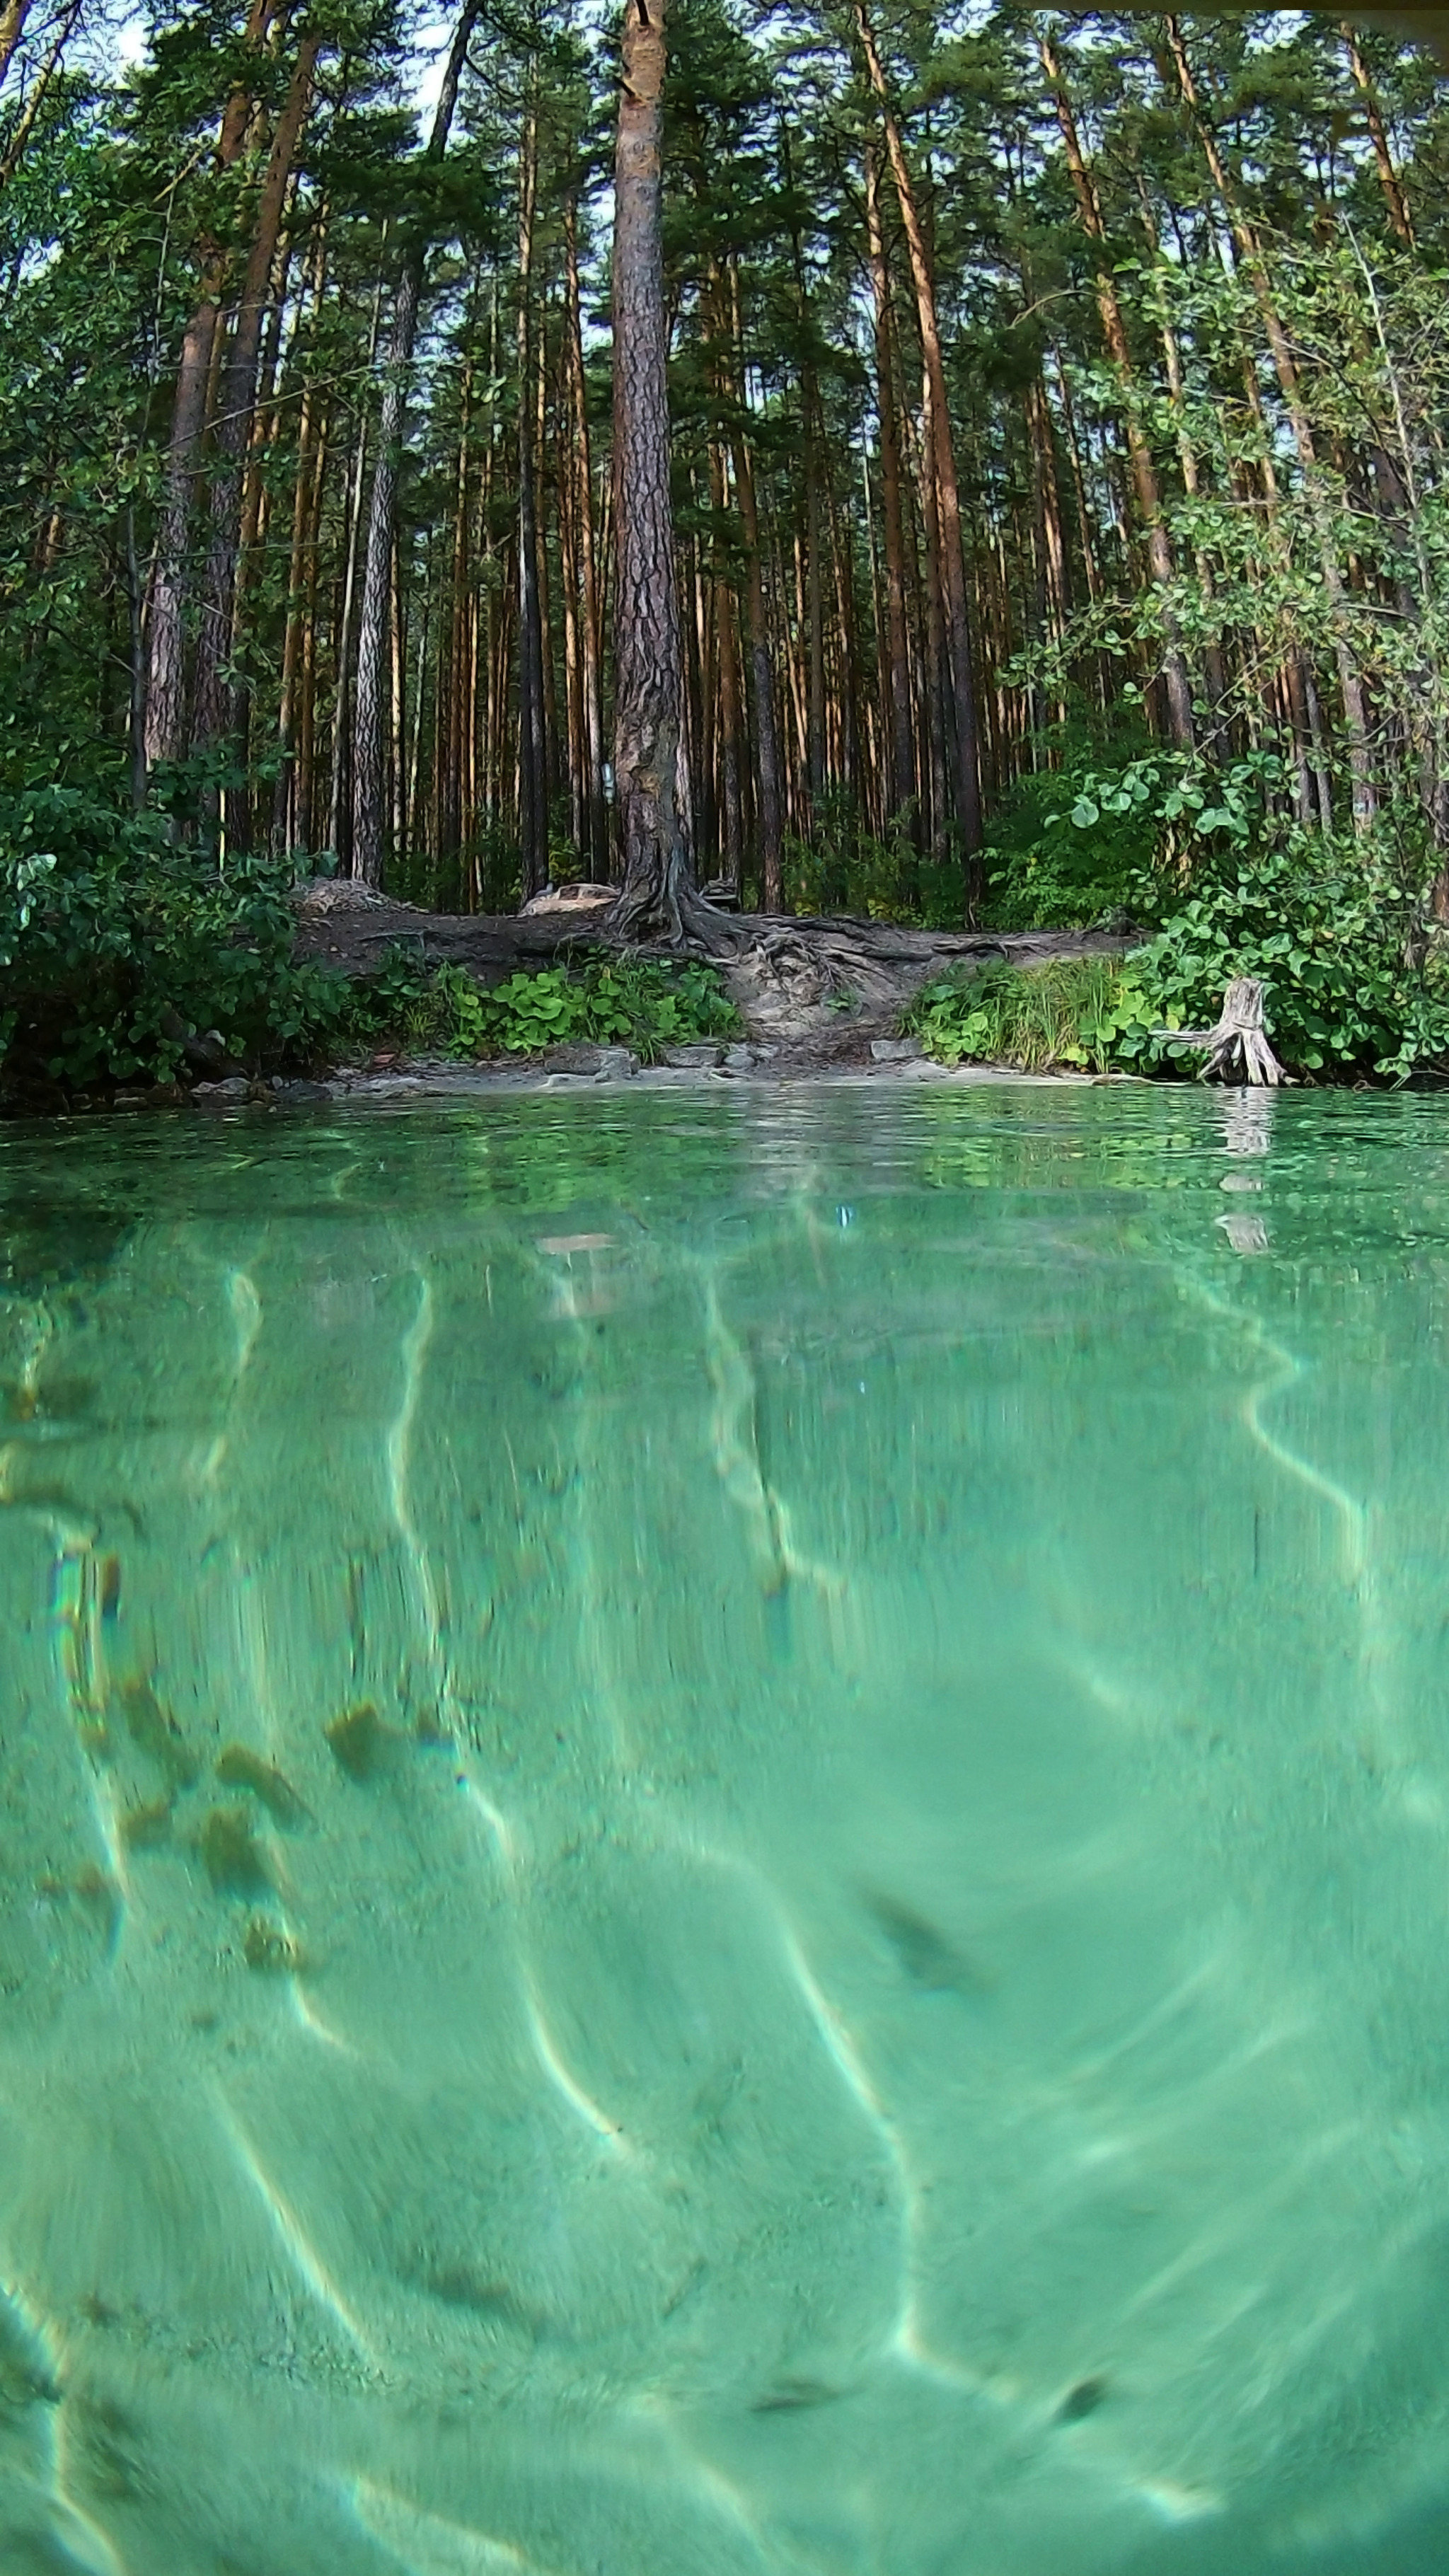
(791, 977)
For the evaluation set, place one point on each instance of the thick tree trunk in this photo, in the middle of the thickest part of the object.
(901, 753)
(12, 28)
(657, 897)
(235, 401)
(166, 640)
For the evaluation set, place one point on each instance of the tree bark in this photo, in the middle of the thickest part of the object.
(166, 639)
(310, 459)
(533, 741)
(12, 28)
(657, 897)
(589, 638)
(1389, 180)
(902, 761)
(236, 397)
(768, 815)
(39, 91)
(728, 665)
(1350, 682)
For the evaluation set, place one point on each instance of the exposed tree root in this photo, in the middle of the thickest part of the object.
(791, 978)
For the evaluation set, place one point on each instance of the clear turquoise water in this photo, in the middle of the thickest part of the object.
(863, 1988)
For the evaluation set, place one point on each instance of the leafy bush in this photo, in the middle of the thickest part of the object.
(121, 940)
(1099, 837)
(1355, 986)
(642, 1003)
(118, 944)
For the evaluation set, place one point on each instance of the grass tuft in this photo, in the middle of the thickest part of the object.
(1033, 1018)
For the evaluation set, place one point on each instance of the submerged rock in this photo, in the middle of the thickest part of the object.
(616, 1061)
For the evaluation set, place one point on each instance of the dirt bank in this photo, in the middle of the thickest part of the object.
(818, 990)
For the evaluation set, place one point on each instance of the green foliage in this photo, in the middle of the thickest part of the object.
(641, 1003)
(1099, 837)
(844, 868)
(1355, 984)
(1032, 1018)
(1044, 869)
(118, 945)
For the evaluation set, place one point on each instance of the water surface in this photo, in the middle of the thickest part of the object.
(724, 1831)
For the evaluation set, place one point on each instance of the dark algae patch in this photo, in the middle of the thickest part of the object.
(146, 1825)
(360, 1743)
(269, 1950)
(154, 1732)
(928, 1956)
(238, 1767)
(231, 1856)
(1083, 2400)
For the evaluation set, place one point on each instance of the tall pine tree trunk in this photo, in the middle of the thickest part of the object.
(12, 28)
(657, 897)
(1250, 251)
(166, 634)
(532, 736)
(768, 801)
(596, 816)
(235, 400)
(1389, 180)
(902, 764)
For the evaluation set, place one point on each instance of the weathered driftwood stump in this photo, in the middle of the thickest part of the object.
(1238, 1036)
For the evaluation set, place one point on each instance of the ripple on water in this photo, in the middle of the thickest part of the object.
(692, 1887)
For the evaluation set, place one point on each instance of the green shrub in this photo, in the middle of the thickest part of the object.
(117, 943)
(1032, 1018)
(120, 940)
(643, 1003)
(1100, 837)
(1355, 984)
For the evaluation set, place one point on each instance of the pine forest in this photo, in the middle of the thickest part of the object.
(1023, 466)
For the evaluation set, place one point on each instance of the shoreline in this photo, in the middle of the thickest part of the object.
(438, 1078)
(442, 1078)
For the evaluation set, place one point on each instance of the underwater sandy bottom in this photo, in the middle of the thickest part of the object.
(725, 1839)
